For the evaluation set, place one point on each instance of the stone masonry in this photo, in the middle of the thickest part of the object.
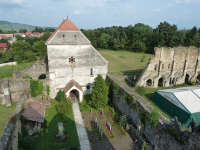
(171, 66)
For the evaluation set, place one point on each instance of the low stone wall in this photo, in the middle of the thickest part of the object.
(8, 64)
(165, 136)
(12, 89)
(9, 139)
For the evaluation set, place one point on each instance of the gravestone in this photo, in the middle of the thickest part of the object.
(109, 126)
(102, 112)
(60, 129)
(127, 127)
(96, 119)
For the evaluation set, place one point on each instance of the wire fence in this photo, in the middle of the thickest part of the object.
(7, 71)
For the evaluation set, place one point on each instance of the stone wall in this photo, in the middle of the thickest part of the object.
(8, 64)
(165, 136)
(12, 89)
(171, 66)
(9, 139)
(40, 67)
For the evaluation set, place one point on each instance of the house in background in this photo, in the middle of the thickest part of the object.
(3, 47)
(3, 36)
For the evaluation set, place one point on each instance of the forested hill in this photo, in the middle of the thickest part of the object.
(5, 26)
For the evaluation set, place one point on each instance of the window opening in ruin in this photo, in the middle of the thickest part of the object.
(27, 77)
(173, 81)
(42, 76)
(160, 82)
(149, 82)
(155, 68)
(169, 66)
(187, 78)
(170, 81)
(198, 78)
(91, 71)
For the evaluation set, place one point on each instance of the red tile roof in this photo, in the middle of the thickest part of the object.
(65, 25)
(3, 36)
(4, 45)
(70, 84)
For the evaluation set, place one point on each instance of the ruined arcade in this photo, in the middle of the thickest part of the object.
(171, 66)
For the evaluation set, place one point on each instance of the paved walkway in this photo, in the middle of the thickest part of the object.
(82, 135)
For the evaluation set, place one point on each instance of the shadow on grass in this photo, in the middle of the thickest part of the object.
(132, 72)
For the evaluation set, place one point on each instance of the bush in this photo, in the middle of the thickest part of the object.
(19, 141)
(64, 118)
(153, 118)
(29, 143)
(116, 88)
(64, 106)
(190, 82)
(36, 87)
(60, 95)
(141, 90)
(22, 118)
(24, 132)
(48, 89)
(74, 148)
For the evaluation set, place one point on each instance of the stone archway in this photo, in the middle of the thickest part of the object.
(42, 76)
(198, 78)
(149, 82)
(161, 82)
(187, 78)
(74, 95)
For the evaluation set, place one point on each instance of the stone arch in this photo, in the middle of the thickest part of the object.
(198, 77)
(42, 76)
(26, 76)
(187, 78)
(161, 82)
(74, 95)
(149, 82)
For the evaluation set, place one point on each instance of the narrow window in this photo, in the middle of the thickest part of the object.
(63, 35)
(74, 37)
(91, 71)
(88, 87)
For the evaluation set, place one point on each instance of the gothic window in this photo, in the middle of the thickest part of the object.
(91, 71)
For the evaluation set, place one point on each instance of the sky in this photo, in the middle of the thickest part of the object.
(92, 14)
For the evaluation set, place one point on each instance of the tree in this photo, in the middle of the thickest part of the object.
(7, 56)
(60, 95)
(64, 106)
(103, 40)
(2, 40)
(190, 36)
(165, 35)
(40, 48)
(1, 31)
(196, 40)
(46, 36)
(18, 37)
(22, 31)
(99, 92)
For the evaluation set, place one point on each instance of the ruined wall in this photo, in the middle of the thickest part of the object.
(12, 89)
(172, 65)
(40, 67)
(165, 136)
(9, 139)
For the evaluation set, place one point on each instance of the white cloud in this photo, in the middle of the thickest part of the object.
(170, 5)
(51, 8)
(78, 12)
(186, 1)
(45, 14)
(157, 10)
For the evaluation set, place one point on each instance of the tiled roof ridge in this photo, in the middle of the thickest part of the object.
(59, 28)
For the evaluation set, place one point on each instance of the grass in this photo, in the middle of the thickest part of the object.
(52, 119)
(5, 113)
(7, 71)
(124, 62)
(109, 106)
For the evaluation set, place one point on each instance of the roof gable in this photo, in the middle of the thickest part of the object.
(65, 25)
(71, 84)
(4, 45)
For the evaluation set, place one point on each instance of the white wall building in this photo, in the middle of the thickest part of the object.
(73, 62)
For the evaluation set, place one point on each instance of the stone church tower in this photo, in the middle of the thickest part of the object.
(73, 62)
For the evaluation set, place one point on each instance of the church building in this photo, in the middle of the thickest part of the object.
(73, 63)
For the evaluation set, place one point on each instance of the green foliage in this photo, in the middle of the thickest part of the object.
(8, 56)
(116, 88)
(110, 90)
(140, 90)
(60, 95)
(64, 106)
(74, 148)
(24, 132)
(142, 58)
(22, 118)
(19, 141)
(29, 143)
(191, 82)
(128, 99)
(40, 48)
(189, 37)
(142, 116)
(99, 92)
(48, 89)
(36, 87)
(65, 118)
(144, 146)
(153, 118)
(103, 40)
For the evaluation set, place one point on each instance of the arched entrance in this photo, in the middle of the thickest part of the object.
(198, 78)
(160, 82)
(187, 78)
(74, 96)
(42, 76)
(149, 83)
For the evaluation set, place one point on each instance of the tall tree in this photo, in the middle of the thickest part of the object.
(99, 92)
(190, 36)
(103, 40)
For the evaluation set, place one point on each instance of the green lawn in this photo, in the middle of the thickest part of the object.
(124, 62)
(52, 119)
(86, 107)
(5, 113)
(7, 71)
